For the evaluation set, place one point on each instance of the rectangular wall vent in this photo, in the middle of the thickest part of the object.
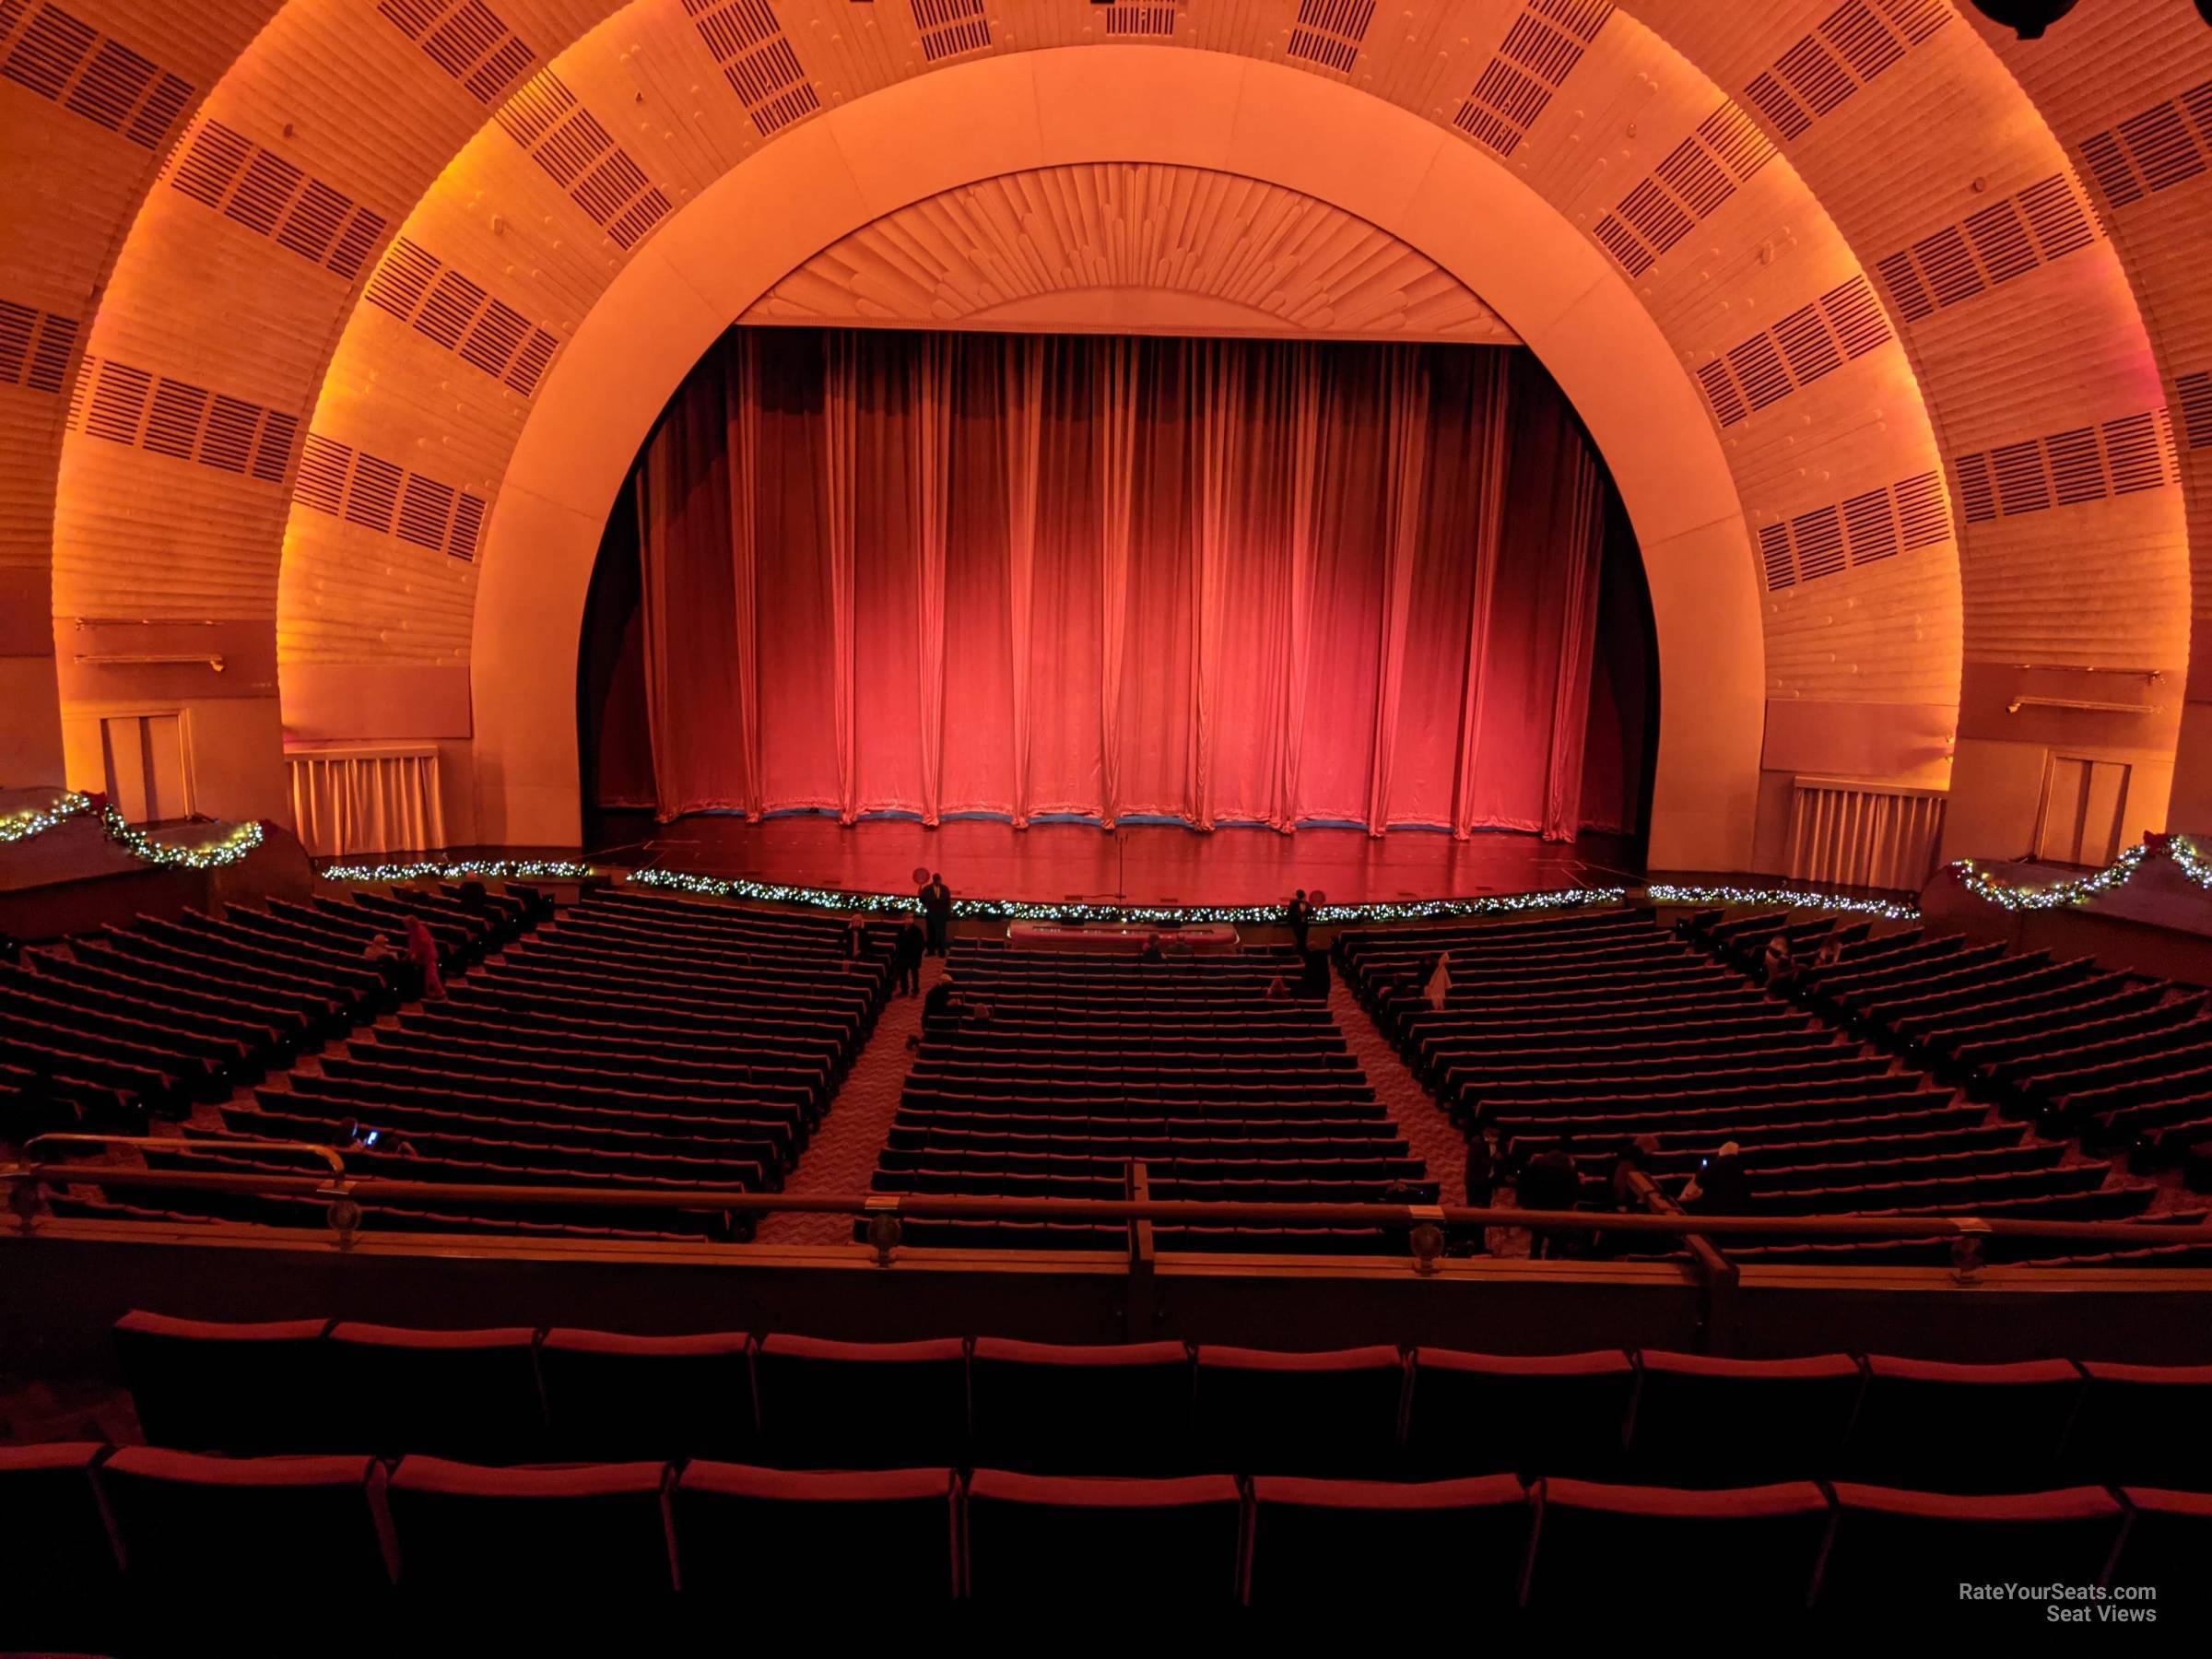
(2164, 145)
(259, 190)
(1136, 22)
(1871, 526)
(34, 348)
(381, 495)
(1847, 49)
(1698, 176)
(747, 43)
(67, 60)
(186, 423)
(1987, 249)
(950, 27)
(1541, 48)
(572, 150)
(467, 39)
(415, 286)
(1843, 323)
(2089, 464)
(1330, 32)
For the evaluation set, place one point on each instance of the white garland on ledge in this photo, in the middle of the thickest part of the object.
(2018, 896)
(501, 869)
(34, 821)
(1888, 909)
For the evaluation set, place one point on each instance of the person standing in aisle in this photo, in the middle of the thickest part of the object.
(906, 957)
(1299, 915)
(936, 911)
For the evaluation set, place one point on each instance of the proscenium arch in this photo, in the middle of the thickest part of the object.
(1012, 113)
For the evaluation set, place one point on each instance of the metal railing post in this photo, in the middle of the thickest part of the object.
(1140, 1315)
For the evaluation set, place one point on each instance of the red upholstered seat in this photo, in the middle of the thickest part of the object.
(238, 1388)
(804, 1538)
(204, 1533)
(1058, 1408)
(594, 1531)
(57, 1561)
(861, 1404)
(457, 1394)
(1928, 1426)
(2149, 1424)
(612, 1396)
(1106, 1546)
(2169, 1542)
(1616, 1547)
(1546, 1414)
(1706, 1422)
(1332, 1413)
(1449, 1550)
(1895, 1551)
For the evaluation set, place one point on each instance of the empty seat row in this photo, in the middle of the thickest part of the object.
(206, 1538)
(516, 1393)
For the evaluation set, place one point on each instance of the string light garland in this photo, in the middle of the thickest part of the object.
(37, 821)
(2079, 889)
(240, 841)
(1888, 909)
(500, 869)
(1018, 910)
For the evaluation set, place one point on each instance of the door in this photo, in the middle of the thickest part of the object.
(2083, 799)
(144, 754)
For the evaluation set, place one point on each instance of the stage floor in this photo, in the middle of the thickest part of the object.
(1142, 863)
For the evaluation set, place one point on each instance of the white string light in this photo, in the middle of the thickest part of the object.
(2079, 889)
(1889, 910)
(235, 845)
(503, 870)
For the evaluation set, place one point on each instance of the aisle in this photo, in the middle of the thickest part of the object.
(1422, 1121)
(842, 1156)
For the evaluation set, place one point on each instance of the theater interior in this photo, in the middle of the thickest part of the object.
(1219, 804)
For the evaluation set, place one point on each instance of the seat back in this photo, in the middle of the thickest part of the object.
(1055, 1408)
(2143, 1425)
(1911, 1551)
(616, 1397)
(204, 1529)
(1063, 1542)
(56, 1557)
(447, 1393)
(203, 1386)
(1446, 1550)
(593, 1532)
(1489, 1414)
(2169, 1541)
(1929, 1426)
(1612, 1546)
(759, 1539)
(827, 1404)
(1334, 1414)
(1705, 1422)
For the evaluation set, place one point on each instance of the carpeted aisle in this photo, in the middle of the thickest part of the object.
(1427, 1130)
(842, 1156)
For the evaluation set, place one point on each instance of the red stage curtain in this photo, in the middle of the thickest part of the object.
(1220, 581)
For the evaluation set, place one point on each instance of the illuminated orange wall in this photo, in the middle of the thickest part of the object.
(1605, 194)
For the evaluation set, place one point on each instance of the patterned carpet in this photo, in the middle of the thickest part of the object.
(1422, 1121)
(842, 1156)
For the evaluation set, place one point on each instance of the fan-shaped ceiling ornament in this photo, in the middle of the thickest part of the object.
(1132, 248)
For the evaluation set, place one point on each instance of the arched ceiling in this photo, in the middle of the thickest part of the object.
(1129, 248)
(1935, 289)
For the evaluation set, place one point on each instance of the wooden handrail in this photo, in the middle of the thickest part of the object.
(1111, 1211)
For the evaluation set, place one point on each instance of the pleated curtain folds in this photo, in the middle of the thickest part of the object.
(1216, 580)
(366, 800)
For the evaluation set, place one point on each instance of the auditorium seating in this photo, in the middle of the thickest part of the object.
(1162, 1409)
(642, 1042)
(1586, 1030)
(1070, 1067)
(207, 1546)
(110, 1028)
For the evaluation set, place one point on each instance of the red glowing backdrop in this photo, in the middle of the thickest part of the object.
(1219, 581)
